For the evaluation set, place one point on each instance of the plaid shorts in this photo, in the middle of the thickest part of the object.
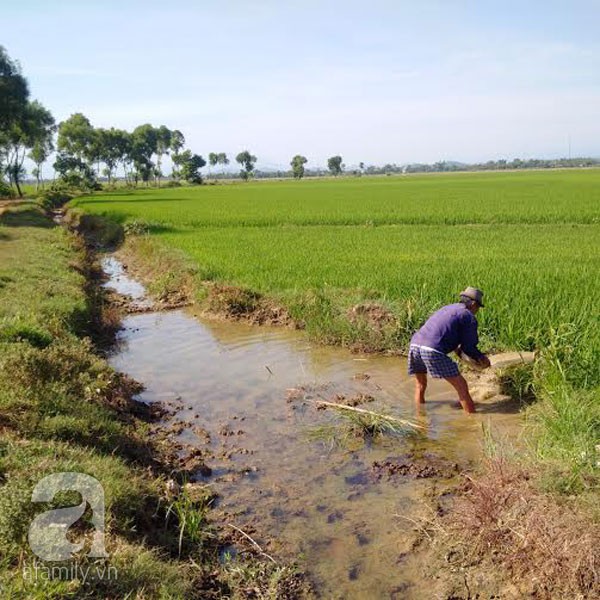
(426, 360)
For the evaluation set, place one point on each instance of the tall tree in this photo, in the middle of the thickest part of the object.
(213, 160)
(177, 143)
(297, 165)
(163, 145)
(247, 161)
(74, 172)
(113, 146)
(144, 140)
(335, 166)
(222, 160)
(14, 98)
(14, 91)
(78, 149)
(189, 166)
(76, 137)
(39, 154)
(36, 125)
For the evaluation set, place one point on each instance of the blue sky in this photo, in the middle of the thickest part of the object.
(380, 81)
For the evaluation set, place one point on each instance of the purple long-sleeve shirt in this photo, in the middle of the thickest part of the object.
(451, 326)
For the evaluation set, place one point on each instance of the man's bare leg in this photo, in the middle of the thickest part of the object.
(420, 387)
(459, 383)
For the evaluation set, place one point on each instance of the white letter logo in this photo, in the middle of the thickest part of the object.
(48, 531)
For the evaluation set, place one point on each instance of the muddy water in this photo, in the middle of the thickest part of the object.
(318, 501)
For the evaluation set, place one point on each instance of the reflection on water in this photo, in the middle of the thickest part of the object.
(301, 498)
(122, 284)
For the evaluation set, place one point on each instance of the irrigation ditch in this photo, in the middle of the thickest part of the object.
(274, 426)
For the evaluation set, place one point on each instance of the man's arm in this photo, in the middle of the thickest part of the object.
(469, 339)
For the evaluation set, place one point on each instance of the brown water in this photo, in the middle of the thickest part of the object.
(313, 500)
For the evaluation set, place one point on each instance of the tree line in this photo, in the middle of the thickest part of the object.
(26, 126)
(85, 153)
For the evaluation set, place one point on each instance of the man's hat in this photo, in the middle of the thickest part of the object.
(474, 294)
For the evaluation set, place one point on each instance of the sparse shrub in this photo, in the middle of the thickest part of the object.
(552, 545)
(54, 197)
(5, 190)
(172, 183)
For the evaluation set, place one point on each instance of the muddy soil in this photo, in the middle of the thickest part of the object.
(293, 477)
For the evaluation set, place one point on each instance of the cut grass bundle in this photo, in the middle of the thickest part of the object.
(369, 423)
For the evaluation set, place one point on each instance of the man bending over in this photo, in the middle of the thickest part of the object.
(452, 328)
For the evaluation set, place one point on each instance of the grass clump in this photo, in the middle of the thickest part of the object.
(192, 519)
(565, 421)
(277, 582)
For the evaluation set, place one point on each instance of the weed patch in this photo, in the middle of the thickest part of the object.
(548, 544)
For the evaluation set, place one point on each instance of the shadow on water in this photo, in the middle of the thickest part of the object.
(507, 407)
(243, 394)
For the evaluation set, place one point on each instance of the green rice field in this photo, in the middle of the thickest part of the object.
(530, 240)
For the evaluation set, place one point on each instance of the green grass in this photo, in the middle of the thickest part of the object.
(531, 197)
(49, 292)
